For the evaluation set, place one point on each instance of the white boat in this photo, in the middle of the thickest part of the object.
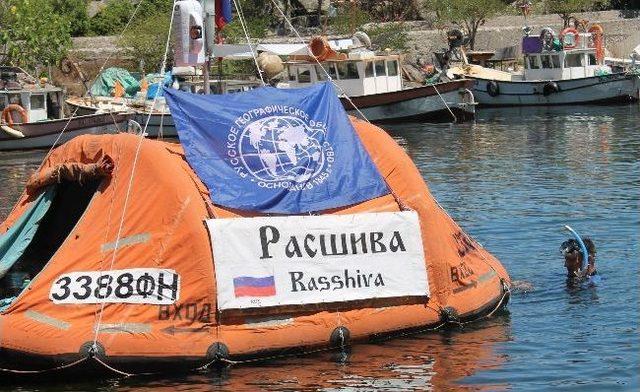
(572, 72)
(373, 84)
(33, 117)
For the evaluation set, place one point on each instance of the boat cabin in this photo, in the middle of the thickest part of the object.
(38, 100)
(568, 63)
(362, 76)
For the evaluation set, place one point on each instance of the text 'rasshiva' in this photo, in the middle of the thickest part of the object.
(330, 244)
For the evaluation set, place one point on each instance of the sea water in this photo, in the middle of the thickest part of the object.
(512, 179)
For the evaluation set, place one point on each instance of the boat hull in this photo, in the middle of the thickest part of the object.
(45, 134)
(443, 102)
(613, 88)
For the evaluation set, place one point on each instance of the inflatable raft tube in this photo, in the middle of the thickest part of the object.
(164, 253)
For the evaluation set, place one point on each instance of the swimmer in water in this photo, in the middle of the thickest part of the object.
(572, 253)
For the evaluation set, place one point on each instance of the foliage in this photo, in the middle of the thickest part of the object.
(389, 35)
(565, 8)
(146, 41)
(390, 10)
(112, 19)
(256, 28)
(75, 11)
(348, 19)
(470, 14)
(32, 33)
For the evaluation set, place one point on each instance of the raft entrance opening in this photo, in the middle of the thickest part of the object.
(67, 207)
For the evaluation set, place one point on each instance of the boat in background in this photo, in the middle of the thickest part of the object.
(33, 116)
(372, 84)
(568, 70)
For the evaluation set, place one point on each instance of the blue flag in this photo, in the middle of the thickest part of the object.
(287, 151)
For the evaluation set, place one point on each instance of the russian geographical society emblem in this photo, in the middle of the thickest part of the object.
(280, 146)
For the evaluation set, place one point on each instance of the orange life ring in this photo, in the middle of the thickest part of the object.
(8, 118)
(576, 38)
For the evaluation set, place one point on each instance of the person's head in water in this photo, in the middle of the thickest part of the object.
(572, 253)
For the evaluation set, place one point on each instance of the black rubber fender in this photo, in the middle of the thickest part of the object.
(550, 88)
(493, 88)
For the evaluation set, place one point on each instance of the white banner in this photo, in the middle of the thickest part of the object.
(295, 260)
(153, 286)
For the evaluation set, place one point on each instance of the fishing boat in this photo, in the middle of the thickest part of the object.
(278, 225)
(566, 70)
(32, 114)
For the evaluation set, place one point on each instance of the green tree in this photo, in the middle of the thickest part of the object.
(566, 8)
(75, 11)
(470, 14)
(32, 33)
(112, 19)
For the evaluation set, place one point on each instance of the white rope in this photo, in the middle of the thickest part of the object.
(246, 34)
(130, 185)
(344, 93)
(455, 119)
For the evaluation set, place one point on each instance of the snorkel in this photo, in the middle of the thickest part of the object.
(583, 248)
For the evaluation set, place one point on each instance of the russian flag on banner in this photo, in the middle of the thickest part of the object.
(223, 13)
(247, 286)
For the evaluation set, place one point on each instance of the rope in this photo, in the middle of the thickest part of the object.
(130, 185)
(455, 119)
(74, 363)
(329, 78)
(246, 34)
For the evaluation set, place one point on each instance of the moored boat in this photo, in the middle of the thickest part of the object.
(33, 117)
(567, 71)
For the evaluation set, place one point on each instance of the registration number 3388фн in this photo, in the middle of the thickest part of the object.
(135, 285)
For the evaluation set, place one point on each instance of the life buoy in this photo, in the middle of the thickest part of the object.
(576, 37)
(550, 88)
(597, 40)
(8, 117)
(492, 88)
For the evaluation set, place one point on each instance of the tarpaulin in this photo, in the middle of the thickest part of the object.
(103, 86)
(19, 236)
(275, 150)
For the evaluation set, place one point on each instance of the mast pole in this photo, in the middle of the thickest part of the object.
(209, 8)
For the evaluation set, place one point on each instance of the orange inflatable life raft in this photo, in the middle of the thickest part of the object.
(84, 251)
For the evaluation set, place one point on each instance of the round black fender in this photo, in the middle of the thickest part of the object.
(492, 88)
(550, 88)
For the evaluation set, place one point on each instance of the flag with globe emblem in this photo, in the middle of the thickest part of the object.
(275, 150)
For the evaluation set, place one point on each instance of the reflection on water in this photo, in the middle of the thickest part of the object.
(512, 180)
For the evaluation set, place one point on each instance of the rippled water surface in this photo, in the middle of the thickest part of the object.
(512, 179)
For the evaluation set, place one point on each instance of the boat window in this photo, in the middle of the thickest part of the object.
(292, 74)
(545, 59)
(392, 66)
(347, 70)
(380, 70)
(556, 61)
(15, 99)
(592, 59)
(533, 62)
(573, 60)
(368, 70)
(304, 75)
(37, 101)
(320, 72)
(331, 68)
